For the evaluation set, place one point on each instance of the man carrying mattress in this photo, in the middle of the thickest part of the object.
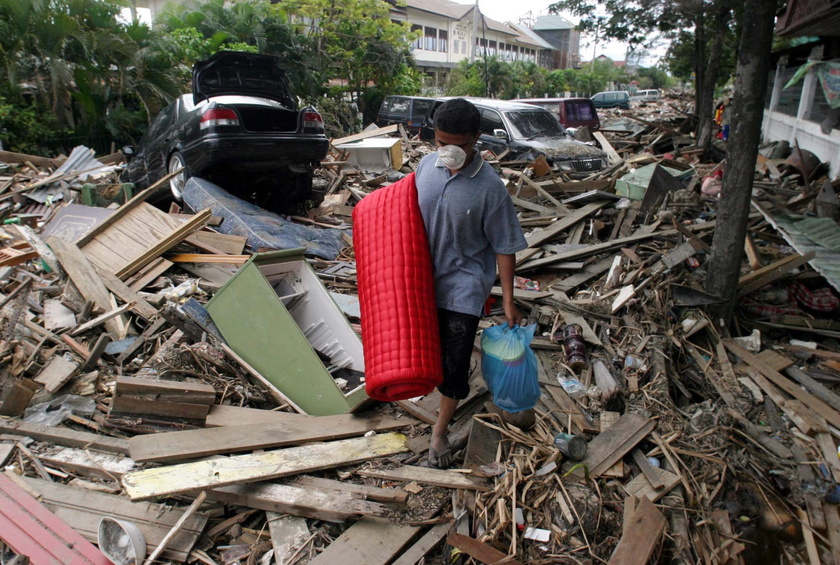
(472, 228)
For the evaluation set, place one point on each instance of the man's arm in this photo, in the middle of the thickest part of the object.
(507, 268)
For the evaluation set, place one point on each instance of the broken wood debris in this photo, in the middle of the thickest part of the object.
(692, 417)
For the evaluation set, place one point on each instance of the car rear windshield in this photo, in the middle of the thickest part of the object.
(527, 124)
(580, 111)
(248, 80)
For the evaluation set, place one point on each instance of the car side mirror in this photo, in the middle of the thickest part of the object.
(128, 151)
(500, 134)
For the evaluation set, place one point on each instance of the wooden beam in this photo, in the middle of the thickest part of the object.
(121, 212)
(124, 293)
(424, 545)
(101, 319)
(65, 436)
(750, 283)
(423, 475)
(478, 550)
(191, 444)
(369, 541)
(173, 479)
(366, 492)
(812, 402)
(298, 501)
(641, 535)
(165, 244)
(85, 278)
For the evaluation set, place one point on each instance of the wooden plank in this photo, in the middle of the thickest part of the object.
(223, 415)
(829, 453)
(831, 416)
(369, 541)
(165, 244)
(101, 319)
(832, 521)
(56, 374)
(173, 479)
(641, 536)
(6, 450)
(131, 405)
(65, 436)
(424, 545)
(226, 243)
(124, 293)
(297, 501)
(482, 445)
(378, 132)
(197, 393)
(614, 158)
(96, 352)
(647, 469)
(483, 552)
(191, 444)
(641, 486)
(143, 277)
(179, 525)
(607, 448)
(538, 237)
(123, 210)
(17, 399)
(366, 492)
(288, 534)
(427, 476)
(207, 258)
(85, 278)
(87, 462)
(775, 274)
(814, 387)
(587, 273)
(808, 536)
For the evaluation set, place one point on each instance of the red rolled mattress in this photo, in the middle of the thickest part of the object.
(396, 294)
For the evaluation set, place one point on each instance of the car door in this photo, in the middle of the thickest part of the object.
(156, 146)
(491, 120)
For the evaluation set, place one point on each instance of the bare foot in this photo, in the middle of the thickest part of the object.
(440, 455)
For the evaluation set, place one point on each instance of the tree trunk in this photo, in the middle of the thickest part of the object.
(733, 209)
(706, 98)
(699, 66)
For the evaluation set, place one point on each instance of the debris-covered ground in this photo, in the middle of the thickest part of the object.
(135, 388)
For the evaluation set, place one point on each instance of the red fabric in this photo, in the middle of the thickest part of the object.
(396, 294)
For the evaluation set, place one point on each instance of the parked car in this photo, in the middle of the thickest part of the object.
(571, 112)
(527, 132)
(406, 110)
(650, 95)
(612, 99)
(240, 128)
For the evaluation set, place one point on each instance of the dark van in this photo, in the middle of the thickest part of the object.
(572, 112)
(406, 110)
(612, 99)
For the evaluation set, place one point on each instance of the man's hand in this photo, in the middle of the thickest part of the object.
(512, 314)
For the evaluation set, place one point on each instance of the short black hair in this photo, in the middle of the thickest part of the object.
(457, 116)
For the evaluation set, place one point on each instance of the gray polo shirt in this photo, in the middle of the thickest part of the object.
(469, 218)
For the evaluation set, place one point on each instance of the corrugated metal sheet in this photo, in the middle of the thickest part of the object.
(825, 261)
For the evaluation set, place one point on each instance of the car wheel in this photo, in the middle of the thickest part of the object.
(176, 183)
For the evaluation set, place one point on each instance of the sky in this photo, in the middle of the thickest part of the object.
(512, 11)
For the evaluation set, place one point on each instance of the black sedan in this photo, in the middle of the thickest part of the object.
(240, 128)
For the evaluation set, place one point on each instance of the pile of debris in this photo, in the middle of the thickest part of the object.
(161, 376)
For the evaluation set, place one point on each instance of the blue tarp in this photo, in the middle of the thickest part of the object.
(263, 229)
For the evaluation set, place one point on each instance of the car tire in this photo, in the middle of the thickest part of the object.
(176, 184)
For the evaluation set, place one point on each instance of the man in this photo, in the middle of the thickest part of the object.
(472, 229)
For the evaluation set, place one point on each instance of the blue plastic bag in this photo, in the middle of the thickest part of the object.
(509, 366)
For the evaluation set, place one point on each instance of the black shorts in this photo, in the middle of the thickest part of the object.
(457, 336)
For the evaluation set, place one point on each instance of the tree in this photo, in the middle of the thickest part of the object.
(640, 22)
(748, 109)
(354, 41)
(466, 79)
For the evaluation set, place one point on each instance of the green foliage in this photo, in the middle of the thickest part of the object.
(22, 128)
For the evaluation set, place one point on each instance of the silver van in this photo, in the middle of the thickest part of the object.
(651, 95)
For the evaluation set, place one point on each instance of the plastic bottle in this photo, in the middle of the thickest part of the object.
(574, 347)
(573, 387)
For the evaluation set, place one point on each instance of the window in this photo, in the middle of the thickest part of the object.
(527, 124)
(443, 36)
(395, 106)
(430, 39)
(421, 107)
(417, 43)
(491, 48)
(490, 120)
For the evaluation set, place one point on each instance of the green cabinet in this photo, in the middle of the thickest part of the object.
(275, 313)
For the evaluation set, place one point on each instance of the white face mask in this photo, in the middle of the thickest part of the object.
(452, 157)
